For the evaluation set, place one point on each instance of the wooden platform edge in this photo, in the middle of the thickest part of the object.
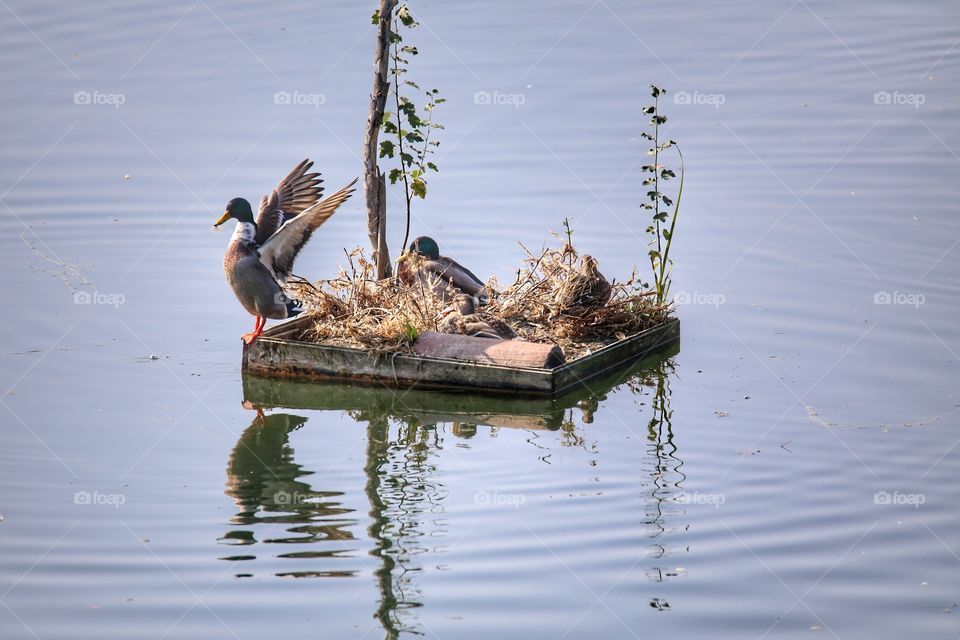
(274, 356)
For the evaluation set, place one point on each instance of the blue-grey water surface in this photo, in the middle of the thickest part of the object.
(791, 472)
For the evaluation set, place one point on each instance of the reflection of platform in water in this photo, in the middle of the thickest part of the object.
(276, 355)
(405, 493)
(432, 407)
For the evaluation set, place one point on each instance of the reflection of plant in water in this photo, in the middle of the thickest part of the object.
(666, 475)
(402, 493)
(409, 484)
(568, 428)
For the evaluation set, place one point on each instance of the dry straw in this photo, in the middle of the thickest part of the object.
(552, 300)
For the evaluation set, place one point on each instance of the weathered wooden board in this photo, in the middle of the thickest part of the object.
(273, 355)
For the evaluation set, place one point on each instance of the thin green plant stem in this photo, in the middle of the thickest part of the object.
(663, 286)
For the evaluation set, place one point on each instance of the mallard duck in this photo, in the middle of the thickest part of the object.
(462, 317)
(585, 290)
(260, 255)
(423, 260)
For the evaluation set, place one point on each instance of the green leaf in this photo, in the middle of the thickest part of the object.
(406, 158)
(389, 127)
(419, 188)
(413, 136)
(648, 181)
(411, 83)
(647, 136)
(666, 174)
(386, 148)
(650, 110)
(653, 253)
(410, 331)
(375, 19)
(403, 14)
(416, 173)
(659, 119)
(432, 166)
(667, 201)
(394, 175)
(411, 50)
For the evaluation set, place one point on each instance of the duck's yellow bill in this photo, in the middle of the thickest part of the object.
(222, 219)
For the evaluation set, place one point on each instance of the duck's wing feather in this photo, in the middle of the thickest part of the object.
(281, 249)
(297, 192)
(452, 271)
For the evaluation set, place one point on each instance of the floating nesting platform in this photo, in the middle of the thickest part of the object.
(444, 361)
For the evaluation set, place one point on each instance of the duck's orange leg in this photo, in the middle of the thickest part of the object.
(248, 338)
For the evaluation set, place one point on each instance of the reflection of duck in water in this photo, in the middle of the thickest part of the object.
(264, 482)
(261, 465)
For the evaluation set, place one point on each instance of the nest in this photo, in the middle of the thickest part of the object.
(552, 300)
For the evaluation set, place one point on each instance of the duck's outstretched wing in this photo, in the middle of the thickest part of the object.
(281, 249)
(298, 191)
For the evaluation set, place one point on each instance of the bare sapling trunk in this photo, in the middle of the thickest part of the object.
(373, 180)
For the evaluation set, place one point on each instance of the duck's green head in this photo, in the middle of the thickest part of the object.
(238, 209)
(426, 247)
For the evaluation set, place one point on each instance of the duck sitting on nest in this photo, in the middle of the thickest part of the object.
(444, 275)
(259, 258)
(462, 317)
(584, 291)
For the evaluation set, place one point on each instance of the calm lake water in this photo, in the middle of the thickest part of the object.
(791, 472)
